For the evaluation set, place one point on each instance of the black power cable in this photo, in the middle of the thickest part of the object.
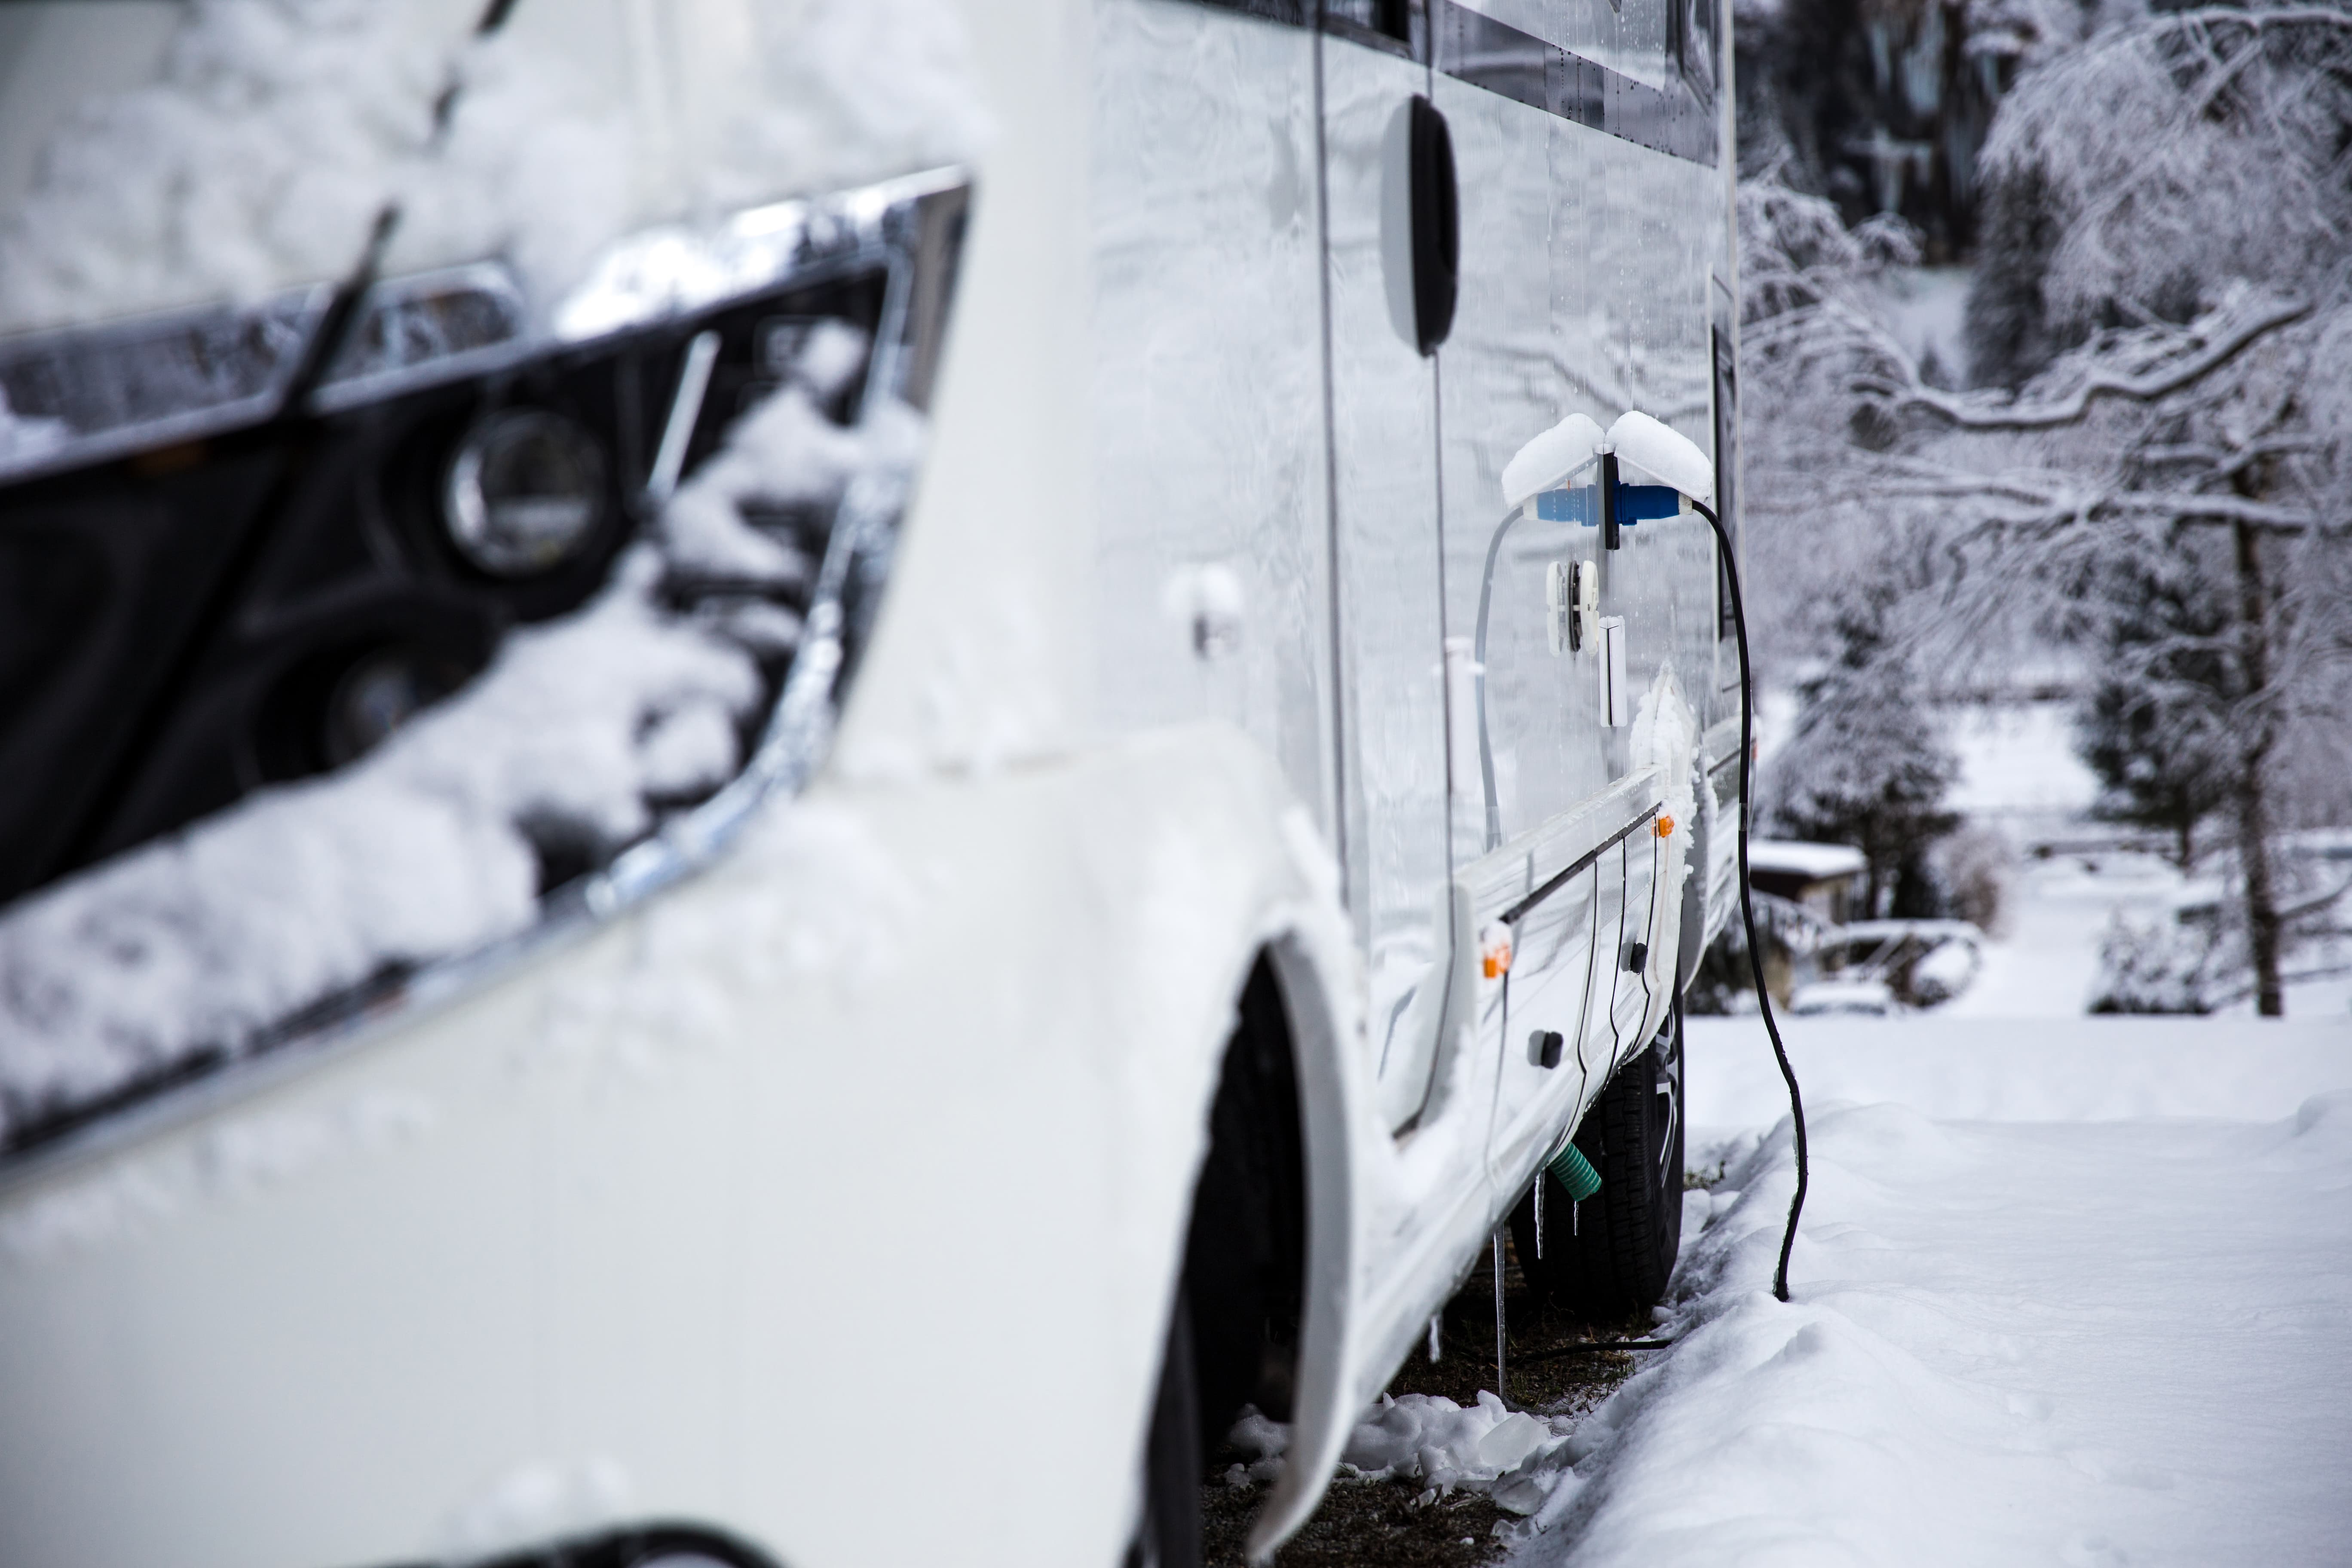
(1747, 905)
(1755, 965)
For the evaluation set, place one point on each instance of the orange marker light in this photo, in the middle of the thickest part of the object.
(1665, 826)
(1494, 952)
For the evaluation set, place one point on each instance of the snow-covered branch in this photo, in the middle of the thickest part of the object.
(2063, 507)
(2222, 340)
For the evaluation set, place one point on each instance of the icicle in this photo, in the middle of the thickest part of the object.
(1435, 1344)
(1502, 1386)
(1573, 1210)
(1540, 1184)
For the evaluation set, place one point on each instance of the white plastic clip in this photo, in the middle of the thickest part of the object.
(1616, 701)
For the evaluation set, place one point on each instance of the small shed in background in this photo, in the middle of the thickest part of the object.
(1823, 879)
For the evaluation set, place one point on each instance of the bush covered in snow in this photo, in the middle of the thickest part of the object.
(2159, 965)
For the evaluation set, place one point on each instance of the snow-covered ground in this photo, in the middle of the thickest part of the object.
(2066, 1341)
(2044, 964)
(2069, 1290)
(2018, 763)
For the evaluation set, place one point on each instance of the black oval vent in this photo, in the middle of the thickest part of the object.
(1436, 226)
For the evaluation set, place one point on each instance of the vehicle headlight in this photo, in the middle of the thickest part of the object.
(525, 492)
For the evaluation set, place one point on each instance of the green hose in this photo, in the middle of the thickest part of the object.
(1572, 1171)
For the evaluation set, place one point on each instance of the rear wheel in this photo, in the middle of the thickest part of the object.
(1611, 1256)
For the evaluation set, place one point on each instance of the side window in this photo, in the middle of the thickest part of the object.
(1632, 37)
(1697, 32)
(1399, 21)
(1651, 41)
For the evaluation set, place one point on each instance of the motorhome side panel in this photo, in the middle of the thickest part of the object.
(1390, 652)
(1207, 440)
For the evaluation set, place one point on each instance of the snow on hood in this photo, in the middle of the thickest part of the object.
(277, 130)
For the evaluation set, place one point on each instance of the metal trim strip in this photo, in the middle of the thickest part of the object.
(1552, 884)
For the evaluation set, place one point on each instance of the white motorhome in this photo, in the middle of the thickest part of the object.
(777, 781)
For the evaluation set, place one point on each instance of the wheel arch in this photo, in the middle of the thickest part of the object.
(1331, 1122)
(1290, 1008)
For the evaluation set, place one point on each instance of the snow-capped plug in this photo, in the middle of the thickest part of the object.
(1552, 459)
(1663, 454)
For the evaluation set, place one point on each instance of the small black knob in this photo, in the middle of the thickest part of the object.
(1637, 957)
(1547, 1043)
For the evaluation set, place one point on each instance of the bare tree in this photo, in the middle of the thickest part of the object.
(2169, 291)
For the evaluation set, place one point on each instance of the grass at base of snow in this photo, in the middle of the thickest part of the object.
(1360, 1522)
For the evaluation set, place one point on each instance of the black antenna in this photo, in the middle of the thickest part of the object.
(494, 16)
(341, 316)
(291, 421)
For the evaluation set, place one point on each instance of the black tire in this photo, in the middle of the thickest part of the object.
(1609, 1258)
(1168, 1533)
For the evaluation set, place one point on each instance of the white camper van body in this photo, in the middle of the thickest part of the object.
(828, 1190)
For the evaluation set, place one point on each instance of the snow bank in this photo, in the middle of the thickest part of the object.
(2071, 1342)
(428, 846)
(278, 129)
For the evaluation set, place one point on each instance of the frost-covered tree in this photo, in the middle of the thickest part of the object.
(2134, 179)
(1865, 766)
(1882, 106)
(2154, 726)
(2165, 309)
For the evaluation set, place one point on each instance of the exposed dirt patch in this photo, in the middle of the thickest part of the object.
(1385, 1523)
